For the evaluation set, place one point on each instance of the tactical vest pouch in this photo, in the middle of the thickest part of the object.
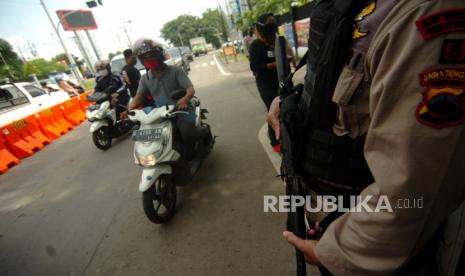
(336, 159)
(328, 50)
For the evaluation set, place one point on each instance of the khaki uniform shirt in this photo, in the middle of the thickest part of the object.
(407, 96)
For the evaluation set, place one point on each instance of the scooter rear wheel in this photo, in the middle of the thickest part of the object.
(102, 138)
(161, 194)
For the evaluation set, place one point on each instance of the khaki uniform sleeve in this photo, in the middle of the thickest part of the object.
(408, 158)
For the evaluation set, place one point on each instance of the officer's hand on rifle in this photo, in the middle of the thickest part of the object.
(273, 117)
(316, 231)
(305, 246)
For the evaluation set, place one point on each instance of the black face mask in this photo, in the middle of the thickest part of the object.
(269, 29)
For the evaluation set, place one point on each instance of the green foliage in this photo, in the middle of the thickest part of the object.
(42, 67)
(13, 67)
(214, 24)
(260, 7)
(181, 29)
(63, 57)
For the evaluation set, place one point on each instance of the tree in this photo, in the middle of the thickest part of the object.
(30, 68)
(213, 22)
(42, 67)
(259, 7)
(63, 57)
(13, 67)
(179, 30)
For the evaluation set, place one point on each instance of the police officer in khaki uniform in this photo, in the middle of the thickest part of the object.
(406, 96)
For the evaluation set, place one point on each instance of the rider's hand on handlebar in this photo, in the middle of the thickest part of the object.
(273, 117)
(182, 104)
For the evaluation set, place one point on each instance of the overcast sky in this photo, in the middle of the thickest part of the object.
(23, 20)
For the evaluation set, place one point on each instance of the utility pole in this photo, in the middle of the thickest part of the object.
(83, 51)
(125, 29)
(3, 60)
(93, 45)
(127, 36)
(74, 69)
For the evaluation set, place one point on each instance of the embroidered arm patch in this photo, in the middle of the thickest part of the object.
(453, 51)
(443, 100)
(443, 22)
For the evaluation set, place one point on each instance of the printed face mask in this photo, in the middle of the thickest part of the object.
(152, 64)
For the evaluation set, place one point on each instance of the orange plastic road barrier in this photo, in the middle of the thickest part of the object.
(84, 103)
(71, 112)
(79, 112)
(34, 129)
(20, 147)
(48, 124)
(60, 118)
(7, 159)
(21, 128)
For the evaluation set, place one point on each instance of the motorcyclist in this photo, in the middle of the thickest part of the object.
(160, 82)
(108, 83)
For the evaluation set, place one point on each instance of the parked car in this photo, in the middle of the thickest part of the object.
(186, 51)
(177, 59)
(19, 100)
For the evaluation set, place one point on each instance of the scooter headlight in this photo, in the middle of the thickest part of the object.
(146, 161)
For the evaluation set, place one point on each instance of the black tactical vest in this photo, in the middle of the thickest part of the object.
(326, 156)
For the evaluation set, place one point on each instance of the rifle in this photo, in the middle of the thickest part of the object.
(289, 146)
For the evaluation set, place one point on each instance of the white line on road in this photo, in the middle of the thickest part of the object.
(220, 68)
(204, 65)
(212, 62)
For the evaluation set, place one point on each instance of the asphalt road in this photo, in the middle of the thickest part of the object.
(72, 209)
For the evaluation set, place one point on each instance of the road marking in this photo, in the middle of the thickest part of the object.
(204, 65)
(220, 68)
(212, 62)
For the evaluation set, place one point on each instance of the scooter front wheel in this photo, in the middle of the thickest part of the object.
(101, 138)
(159, 200)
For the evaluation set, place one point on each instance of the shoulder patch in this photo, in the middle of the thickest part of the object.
(369, 9)
(443, 100)
(442, 22)
(453, 51)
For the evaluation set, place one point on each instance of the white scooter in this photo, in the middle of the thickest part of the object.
(104, 125)
(159, 151)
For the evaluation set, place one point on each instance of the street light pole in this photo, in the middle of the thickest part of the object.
(126, 32)
(74, 69)
(179, 34)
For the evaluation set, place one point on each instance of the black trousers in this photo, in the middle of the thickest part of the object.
(268, 93)
(123, 99)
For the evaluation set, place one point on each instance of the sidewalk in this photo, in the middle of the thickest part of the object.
(241, 71)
